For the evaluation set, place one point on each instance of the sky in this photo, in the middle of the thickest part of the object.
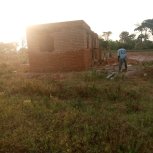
(101, 15)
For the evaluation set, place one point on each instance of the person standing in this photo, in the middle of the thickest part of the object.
(122, 58)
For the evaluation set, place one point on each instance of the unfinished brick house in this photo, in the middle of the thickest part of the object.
(62, 46)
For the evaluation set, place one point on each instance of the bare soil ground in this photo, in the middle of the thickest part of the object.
(141, 56)
(135, 63)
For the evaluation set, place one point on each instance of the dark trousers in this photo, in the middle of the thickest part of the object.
(121, 61)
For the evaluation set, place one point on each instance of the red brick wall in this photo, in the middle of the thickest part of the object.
(62, 39)
(61, 46)
(60, 61)
(69, 39)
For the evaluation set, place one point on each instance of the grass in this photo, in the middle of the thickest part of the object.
(81, 113)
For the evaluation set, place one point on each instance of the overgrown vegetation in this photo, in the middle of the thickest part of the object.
(80, 112)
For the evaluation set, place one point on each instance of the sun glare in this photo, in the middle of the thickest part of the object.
(16, 15)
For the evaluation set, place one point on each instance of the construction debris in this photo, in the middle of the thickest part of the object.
(112, 75)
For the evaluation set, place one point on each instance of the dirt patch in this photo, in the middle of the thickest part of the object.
(135, 64)
(141, 56)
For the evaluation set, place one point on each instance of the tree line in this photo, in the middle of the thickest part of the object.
(141, 40)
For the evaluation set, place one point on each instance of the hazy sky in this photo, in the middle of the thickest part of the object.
(101, 15)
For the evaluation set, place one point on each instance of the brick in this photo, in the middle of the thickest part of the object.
(61, 46)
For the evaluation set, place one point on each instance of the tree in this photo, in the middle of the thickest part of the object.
(145, 29)
(148, 24)
(143, 36)
(131, 37)
(124, 36)
(127, 40)
(103, 44)
(106, 35)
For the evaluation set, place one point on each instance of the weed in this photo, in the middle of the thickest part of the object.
(83, 113)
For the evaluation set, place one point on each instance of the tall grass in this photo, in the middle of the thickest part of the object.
(84, 113)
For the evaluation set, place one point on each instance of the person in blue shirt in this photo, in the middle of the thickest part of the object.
(122, 58)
